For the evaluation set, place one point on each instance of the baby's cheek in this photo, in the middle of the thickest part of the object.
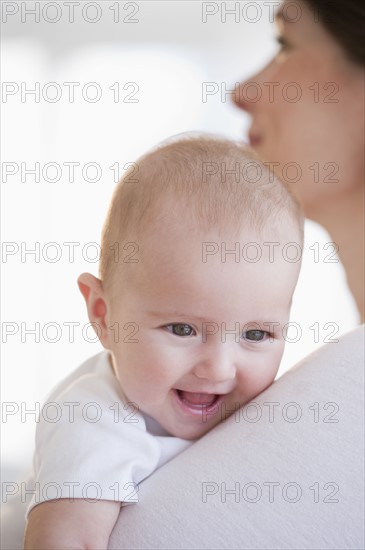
(261, 372)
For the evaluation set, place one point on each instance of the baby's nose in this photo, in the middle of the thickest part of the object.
(216, 366)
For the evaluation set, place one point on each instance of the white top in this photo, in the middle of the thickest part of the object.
(91, 443)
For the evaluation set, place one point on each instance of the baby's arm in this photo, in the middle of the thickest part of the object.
(71, 525)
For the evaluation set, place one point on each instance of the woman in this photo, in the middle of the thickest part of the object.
(311, 112)
(288, 480)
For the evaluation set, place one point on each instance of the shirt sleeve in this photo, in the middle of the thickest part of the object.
(91, 445)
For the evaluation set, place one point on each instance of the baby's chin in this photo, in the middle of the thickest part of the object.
(192, 432)
(193, 435)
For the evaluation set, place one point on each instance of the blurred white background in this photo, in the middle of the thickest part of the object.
(159, 55)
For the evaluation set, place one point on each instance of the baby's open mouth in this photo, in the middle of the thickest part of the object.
(197, 400)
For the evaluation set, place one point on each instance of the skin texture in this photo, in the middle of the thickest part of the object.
(88, 525)
(322, 131)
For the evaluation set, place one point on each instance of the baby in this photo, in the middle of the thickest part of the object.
(196, 283)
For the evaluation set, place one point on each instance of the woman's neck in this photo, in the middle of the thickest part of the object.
(344, 220)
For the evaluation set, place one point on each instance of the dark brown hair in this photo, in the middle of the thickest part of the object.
(345, 21)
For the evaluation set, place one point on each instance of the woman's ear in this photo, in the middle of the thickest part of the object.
(92, 290)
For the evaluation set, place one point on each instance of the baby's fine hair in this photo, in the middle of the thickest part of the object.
(211, 182)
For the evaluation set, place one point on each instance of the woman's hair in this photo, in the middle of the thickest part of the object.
(345, 21)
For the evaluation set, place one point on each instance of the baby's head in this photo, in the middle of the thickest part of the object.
(200, 257)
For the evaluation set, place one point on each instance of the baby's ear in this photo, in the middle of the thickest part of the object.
(87, 284)
(92, 290)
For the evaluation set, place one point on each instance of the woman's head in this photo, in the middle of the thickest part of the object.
(307, 104)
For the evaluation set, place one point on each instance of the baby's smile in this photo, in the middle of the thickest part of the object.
(197, 399)
(196, 402)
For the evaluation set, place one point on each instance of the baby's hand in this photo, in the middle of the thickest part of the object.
(71, 525)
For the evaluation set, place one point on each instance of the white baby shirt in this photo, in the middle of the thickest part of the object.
(92, 444)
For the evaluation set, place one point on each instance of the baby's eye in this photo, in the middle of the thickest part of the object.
(254, 335)
(181, 329)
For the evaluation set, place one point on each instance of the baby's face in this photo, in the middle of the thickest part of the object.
(197, 339)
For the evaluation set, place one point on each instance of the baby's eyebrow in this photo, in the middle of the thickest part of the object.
(178, 315)
(257, 323)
